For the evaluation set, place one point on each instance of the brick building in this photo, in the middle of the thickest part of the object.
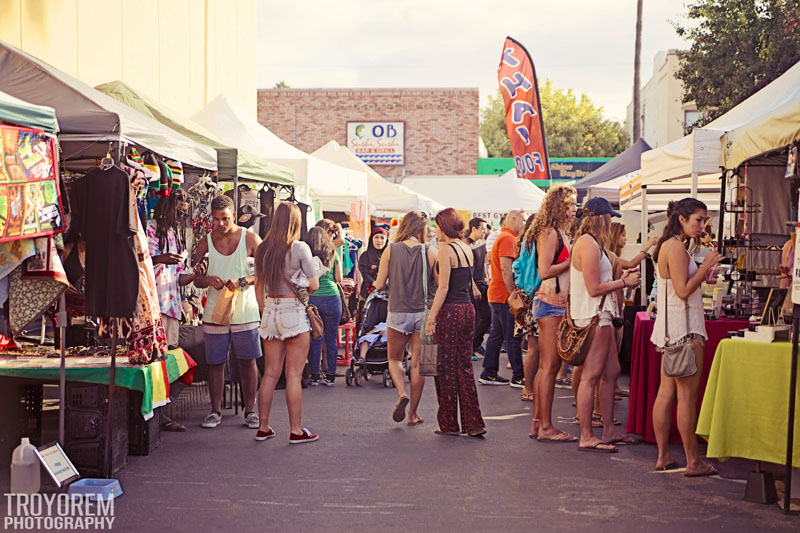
(440, 126)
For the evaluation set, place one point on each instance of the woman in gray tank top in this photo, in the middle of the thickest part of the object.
(401, 270)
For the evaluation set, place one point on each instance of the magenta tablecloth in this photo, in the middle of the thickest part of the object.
(646, 374)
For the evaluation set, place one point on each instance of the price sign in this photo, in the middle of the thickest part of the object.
(57, 464)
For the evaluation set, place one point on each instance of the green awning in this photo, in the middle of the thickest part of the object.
(20, 113)
(248, 166)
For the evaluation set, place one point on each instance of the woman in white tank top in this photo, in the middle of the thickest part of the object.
(679, 298)
(592, 289)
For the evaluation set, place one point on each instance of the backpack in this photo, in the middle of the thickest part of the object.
(526, 273)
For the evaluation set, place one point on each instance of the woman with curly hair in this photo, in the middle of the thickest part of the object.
(525, 323)
(548, 232)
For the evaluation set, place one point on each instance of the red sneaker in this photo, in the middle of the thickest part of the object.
(264, 435)
(305, 436)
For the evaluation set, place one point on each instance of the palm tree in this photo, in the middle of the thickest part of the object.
(637, 104)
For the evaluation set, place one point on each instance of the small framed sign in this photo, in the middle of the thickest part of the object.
(57, 464)
(791, 163)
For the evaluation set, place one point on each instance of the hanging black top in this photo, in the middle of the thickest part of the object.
(105, 218)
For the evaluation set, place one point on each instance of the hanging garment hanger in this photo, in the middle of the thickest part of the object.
(107, 162)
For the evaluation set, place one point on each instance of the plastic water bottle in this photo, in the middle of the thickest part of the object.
(25, 469)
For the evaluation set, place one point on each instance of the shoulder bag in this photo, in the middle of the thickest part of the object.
(573, 342)
(429, 352)
(314, 320)
(678, 360)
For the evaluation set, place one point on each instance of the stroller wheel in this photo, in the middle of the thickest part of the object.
(386, 378)
(348, 377)
(357, 378)
(365, 374)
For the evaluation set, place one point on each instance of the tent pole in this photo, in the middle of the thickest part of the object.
(643, 266)
(787, 489)
(61, 324)
(694, 184)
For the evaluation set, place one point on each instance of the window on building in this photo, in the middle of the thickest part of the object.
(690, 118)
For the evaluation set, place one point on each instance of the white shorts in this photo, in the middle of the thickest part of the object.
(283, 318)
(605, 320)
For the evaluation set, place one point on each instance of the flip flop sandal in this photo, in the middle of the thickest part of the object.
(453, 433)
(670, 466)
(594, 448)
(526, 397)
(416, 422)
(561, 437)
(399, 412)
(625, 441)
(709, 471)
(477, 432)
(173, 426)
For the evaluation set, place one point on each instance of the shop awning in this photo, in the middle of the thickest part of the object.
(320, 178)
(88, 118)
(248, 166)
(628, 161)
(385, 196)
(20, 113)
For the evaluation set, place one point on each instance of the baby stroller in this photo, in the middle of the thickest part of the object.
(373, 330)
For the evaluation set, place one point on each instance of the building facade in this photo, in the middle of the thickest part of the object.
(664, 117)
(183, 53)
(398, 132)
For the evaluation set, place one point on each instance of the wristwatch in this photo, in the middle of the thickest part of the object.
(243, 283)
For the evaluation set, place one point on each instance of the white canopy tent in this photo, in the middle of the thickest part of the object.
(335, 186)
(506, 193)
(381, 194)
(700, 152)
(610, 190)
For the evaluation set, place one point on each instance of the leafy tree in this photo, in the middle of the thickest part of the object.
(574, 127)
(281, 85)
(737, 47)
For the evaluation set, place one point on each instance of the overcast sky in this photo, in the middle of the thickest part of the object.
(585, 45)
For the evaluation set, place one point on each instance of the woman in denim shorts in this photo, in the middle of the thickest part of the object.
(284, 323)
(552, 260)
(401, 268)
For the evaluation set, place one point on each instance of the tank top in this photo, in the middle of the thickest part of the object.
(405, 278)
(460, 284)
(685, 316)
(233, 266)
(581, 304)
(554, 290)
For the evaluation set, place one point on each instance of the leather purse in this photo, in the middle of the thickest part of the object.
(346, 316)
(314, 320)
(573, 342)
(516, 303)
(429, 351)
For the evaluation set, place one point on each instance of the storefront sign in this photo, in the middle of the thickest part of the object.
(30, 200)
(377, 143)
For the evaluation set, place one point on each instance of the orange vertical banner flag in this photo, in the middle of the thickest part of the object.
(517, 78)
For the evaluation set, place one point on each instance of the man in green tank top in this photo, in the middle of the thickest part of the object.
(231, 313)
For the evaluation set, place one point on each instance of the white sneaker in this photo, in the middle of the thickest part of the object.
(251, 420)
(212, 420)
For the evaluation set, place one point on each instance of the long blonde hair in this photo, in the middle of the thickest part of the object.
(616, 231)
(553, 213)
(413, 224)
(597, 226)
(271, 253)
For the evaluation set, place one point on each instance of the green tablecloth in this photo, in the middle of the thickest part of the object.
(146, 379)
(745, 407)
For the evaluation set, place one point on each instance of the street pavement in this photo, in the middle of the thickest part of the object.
(368, 473)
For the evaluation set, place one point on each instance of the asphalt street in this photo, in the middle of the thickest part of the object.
(367, 472)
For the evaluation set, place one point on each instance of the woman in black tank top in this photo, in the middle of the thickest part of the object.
(452, 321)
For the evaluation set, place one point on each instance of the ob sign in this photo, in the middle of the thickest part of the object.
(377, 143)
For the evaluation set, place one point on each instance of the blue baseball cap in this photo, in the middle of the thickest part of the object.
(600, 206)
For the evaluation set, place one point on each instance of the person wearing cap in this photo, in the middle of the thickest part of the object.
(592, 294)
(231, 315)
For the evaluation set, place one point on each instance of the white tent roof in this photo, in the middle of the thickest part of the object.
(381, 194)
(85, 114)
(335, 186)
(776, 128)
(701, 151)
(610, 189)
(506, 193)
(451, 191)
(660, 194)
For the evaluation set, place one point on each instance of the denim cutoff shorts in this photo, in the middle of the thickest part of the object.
(406, 323)
(544, 310)
(283, 318)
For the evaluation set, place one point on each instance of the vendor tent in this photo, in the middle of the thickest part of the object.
(383, 195)
(506, 193)
(610, 189)
(624, 163)
(21, 113)
(776, 128)
(248, 166)
(451, 191)
(700, 152)
(88, 118)
(336, 187)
